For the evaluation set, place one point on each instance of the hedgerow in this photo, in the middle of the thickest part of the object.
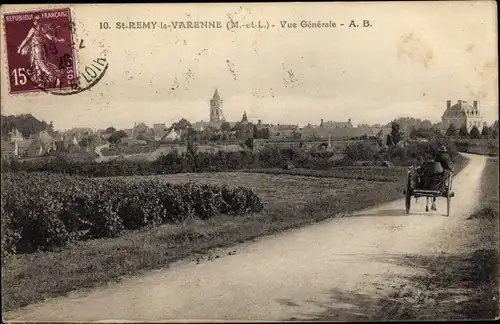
(269, 157)
(41, 211)
(129, 149)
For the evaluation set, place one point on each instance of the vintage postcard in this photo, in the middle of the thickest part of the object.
(250, 161)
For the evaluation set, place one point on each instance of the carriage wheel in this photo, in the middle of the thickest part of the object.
(448, 196)
(408, 192)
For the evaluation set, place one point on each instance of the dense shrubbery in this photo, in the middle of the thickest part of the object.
(413, 152)
(43, 211)
(129, 149)
(175, 162)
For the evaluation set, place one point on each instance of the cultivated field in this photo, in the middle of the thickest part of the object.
(289, 201)
(280, 191)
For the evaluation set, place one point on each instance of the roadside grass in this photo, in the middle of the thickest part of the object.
(289, 202)
(463, 285)
(460, 163)
(488, 208)
(442, 292)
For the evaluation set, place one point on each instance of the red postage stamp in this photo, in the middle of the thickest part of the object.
(40, 52)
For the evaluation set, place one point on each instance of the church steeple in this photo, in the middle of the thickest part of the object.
(216, 108)
(216, 95)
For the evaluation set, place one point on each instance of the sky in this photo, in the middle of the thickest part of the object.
(414, 57)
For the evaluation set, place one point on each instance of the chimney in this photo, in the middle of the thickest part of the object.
(448, 104)
(260, 122)
(475, 104)
(460, 104)
(321, 125)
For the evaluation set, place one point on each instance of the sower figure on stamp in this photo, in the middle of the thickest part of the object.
(35, 44)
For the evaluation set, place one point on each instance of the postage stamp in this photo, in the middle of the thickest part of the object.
(40, 52)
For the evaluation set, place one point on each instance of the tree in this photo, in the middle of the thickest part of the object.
(25, 123)
(265, 133)
(474, 132)
(408, 122)
(192, 150)
(413, 133)
(494, 130)
(117, 136)
(486, 132)
(191, 132)
(462, 132)
(244, 119)
(86, 141)
(389, 141)
(225, 127)
(494, 133)
(249, 143)
(50, 129)
(451, 131)
(181, 125)
(215, 137)
(237, 127)
(110, 130)
(207, 133)
(255, 132)
(396, 134)
(422, 132)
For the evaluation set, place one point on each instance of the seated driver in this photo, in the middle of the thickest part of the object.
(442, 165)
(443, 158)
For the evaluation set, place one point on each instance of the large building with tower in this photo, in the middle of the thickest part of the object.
(216, 114)
(462, 113)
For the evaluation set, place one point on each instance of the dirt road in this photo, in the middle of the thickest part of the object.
(345, 268)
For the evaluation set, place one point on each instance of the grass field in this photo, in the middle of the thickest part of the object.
(482, 265)
(359, 173)
(488, 207)
(290, 201)
(282, 192)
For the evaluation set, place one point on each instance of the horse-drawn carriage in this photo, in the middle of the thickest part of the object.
(423, 181)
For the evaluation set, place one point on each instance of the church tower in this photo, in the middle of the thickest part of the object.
(216, 108)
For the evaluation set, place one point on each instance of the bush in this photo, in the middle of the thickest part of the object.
(41, 211)
(130, 149)
(269, 157)
(360, 152)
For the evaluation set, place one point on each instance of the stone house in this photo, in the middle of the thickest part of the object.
(460, 114)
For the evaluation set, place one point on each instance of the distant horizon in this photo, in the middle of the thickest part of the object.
(128, 124)
(270, 108)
